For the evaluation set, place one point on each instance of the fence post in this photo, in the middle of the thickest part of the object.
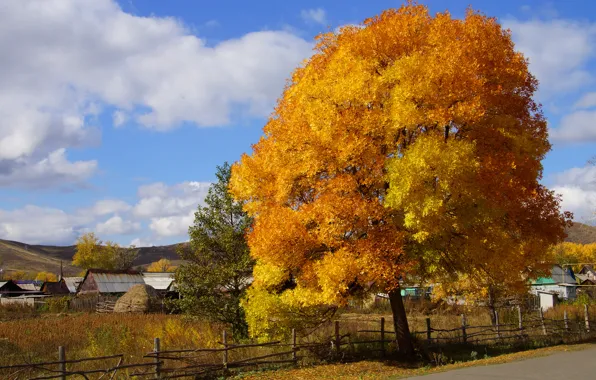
(382, 336)
(519, 319)
(337, 338)
(294, 357)
(497, 327)
(463, 328)
(62, 360)
(542, 321)
(428, 330)
(156, 349)
(587, 318)
(225, 352)
(566, 320)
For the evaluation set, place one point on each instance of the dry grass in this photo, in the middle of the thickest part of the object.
(391, 370)
(86, 335)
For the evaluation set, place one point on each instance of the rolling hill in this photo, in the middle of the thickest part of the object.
(581, 233)
(36, 258)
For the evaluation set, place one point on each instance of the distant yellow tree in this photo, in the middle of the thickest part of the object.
(574, 253)
(91, 253)
(163, 265)
(46, 277)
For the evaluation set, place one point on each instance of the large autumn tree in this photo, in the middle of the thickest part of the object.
(407, 147)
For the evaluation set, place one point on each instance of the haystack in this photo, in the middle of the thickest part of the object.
(140, 298)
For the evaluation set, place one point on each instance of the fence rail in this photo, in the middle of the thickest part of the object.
(196, 362)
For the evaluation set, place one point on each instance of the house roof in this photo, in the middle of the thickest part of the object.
(115, 281)
(55, 287)
(544, 281)
(159, 281)
(72, 283)
(9, 286)
(563, 275)
(559, 276)
(27, 286)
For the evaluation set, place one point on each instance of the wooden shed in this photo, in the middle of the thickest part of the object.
(99, 281)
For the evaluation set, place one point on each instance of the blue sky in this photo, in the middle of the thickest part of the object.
(115, 114)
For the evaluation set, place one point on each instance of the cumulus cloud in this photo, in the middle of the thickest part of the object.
(141, 242)
(66, 60)
(586, 101)
(176, 225)
(159, 200)
(559, 51)
(108, 206)
(578, 126)
(317, 16)
(117, 226)
(53, 170)
(170, 209)
(57, 226)
(577, 187)
(161, 212)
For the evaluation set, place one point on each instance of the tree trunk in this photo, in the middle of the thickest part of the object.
(491, 306)
(400, 323)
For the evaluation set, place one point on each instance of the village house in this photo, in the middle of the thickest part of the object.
(10, 289)
(32, 285)
(163, 282)
(561, 285)
(109, 282)
(55, 288)
(73, 283)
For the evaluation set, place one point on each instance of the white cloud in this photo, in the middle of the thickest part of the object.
(39, 225)
(578, 126)
(317, 16)
(577, 187)
(558, 51)
(159, 200)
(66, 60)
(162, 211)
(117, 226)
(108, 206)
(580, 201)
(170, 208)
(141, 242)
(176, 225)
(53, 170)
(588, 100)
(119, 118)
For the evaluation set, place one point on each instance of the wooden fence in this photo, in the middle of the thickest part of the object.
(197, 362)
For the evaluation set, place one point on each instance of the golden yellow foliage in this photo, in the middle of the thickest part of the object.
(574, 253)
(46, 277)
(162, 265)
(407, 147)
(91, 253)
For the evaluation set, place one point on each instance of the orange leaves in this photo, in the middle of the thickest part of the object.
(430, 116)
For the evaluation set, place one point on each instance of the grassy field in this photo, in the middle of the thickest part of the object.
(27, 336)
(86, 335)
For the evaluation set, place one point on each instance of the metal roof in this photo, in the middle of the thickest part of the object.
(72, 283)
(159, 281)
(29, 286)
(116, 282)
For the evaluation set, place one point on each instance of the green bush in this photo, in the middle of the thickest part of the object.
(57, 305)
